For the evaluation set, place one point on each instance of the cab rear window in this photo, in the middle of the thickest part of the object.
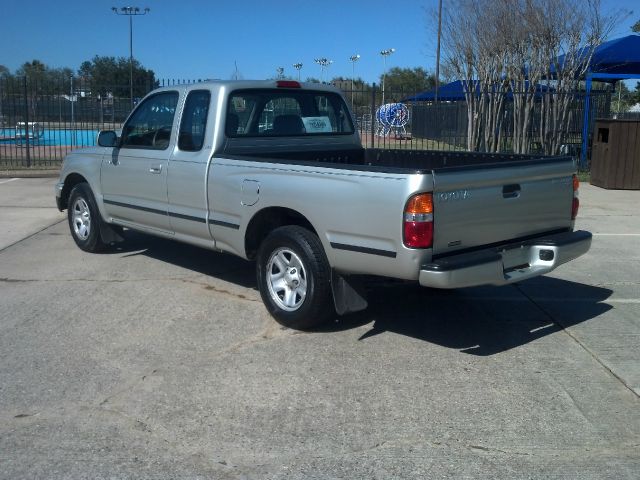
(277, 113)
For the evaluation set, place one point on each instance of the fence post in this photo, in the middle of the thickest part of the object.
(26, 121)
(373, 113)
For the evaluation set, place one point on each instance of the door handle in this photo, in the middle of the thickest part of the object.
(156, 169)
(511, 191)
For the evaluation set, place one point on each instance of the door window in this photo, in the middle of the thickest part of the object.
(150, 125)
(194, 121)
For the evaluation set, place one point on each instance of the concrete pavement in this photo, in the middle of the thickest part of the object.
(157, 360)
(27, 206)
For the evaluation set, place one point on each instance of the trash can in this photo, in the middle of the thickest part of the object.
(615, 154)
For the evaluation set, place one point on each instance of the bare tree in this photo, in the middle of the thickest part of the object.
(476, 54)
(530, 53)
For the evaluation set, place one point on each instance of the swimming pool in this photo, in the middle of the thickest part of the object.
(76, 138)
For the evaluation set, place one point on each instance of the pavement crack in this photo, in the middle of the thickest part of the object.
(206, 286)
(26, 415)
(32, 235)
(576, 340)
(494, 449)
(40, 207)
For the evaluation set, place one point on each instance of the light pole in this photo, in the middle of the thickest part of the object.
(385, 54)
(354, 59)
(438, 49)
(298, 67)
(324, 63)
(130, 12)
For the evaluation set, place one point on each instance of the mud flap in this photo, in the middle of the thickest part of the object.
(109, 234)
(348, 294)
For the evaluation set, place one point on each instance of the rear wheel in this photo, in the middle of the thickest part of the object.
(84, 219)
(294, 278)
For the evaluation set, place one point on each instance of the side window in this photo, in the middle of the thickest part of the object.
(150, 125)
(194, 121)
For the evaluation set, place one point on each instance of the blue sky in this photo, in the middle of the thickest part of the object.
(193, 39)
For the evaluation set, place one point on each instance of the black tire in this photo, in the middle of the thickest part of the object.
(288, 255)
(84, 219)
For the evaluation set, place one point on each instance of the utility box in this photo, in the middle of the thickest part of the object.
(615, 154)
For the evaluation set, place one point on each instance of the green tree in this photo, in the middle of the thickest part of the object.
(623, 99)
(35, 71)
(37, 77)
(408, 80)
(636, 27)
(360, 97)
(45, 79)
(635, 95)
(103, 75)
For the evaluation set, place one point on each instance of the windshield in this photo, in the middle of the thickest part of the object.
(277, 112)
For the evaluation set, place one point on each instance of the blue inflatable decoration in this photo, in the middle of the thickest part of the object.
(392, 117)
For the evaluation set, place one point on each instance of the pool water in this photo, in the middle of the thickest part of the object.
(76, 138)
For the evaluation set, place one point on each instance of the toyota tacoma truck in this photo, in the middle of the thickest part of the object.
(274, 171)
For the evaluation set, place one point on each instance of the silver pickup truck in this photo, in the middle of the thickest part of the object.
(274, 171)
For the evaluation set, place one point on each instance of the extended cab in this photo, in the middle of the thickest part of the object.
(275, 171)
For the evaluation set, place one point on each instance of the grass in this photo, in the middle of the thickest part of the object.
(584, 177)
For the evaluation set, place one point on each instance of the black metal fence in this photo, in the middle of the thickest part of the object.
(444, 125)
(41, 122)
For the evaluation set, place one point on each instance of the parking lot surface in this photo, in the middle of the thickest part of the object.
(158, 360)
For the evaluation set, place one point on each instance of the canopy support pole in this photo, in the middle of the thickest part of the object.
(585, 124)
(587, 107)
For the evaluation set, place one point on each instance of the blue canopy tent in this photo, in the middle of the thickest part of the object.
(611, 61)
(454, 92)
(614, 60)
(451, 92)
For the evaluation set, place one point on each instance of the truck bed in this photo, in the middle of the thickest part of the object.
(398, 161)
(480, 198)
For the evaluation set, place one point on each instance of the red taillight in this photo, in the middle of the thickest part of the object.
(288, 84)
(418, 234)
(418, 221)
(574, 208)
(576, 202)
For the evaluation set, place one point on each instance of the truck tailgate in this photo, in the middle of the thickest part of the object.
(489, 204)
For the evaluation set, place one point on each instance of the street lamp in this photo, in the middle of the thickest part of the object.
(354, 59)
(385, 54)
(298, 67)
(438, 49)
(130, 12)
(324, 63)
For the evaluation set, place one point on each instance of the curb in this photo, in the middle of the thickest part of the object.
(29, 173)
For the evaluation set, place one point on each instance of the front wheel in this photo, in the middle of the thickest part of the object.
(84, 219)
(294, 278)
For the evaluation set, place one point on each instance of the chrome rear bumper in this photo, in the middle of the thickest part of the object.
(503, 265)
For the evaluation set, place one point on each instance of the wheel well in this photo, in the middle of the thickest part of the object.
(267, 220)
(71, 181)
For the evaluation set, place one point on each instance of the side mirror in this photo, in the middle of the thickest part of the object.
(107, 138)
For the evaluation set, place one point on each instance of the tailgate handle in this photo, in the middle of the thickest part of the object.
(511, 191)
